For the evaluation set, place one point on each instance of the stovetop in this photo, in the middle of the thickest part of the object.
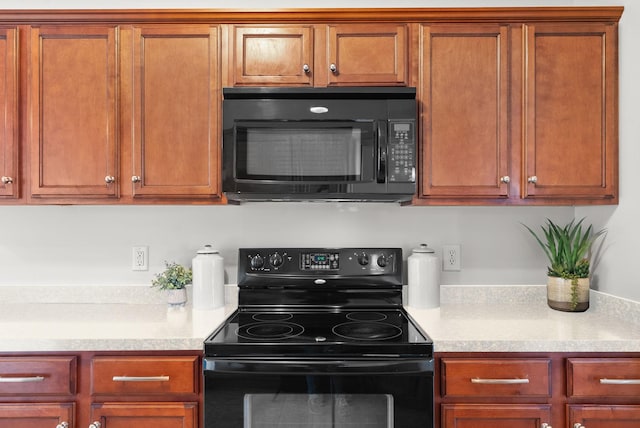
(319, 302)
(364, 332)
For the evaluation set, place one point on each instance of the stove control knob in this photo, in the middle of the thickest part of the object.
(276, 260)
(382, 260)
(257, 262)
(363, 259)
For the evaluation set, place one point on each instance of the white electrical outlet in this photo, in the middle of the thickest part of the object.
(451, 256)
(140, 258)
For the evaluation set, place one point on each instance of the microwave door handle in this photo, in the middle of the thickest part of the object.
(381, 139)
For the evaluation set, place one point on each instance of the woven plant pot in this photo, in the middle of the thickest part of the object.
(177, 297)
(568, 295)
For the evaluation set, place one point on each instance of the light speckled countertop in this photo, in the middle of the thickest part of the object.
(470, 319)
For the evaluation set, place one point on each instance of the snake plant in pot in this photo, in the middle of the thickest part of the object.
(567, 249)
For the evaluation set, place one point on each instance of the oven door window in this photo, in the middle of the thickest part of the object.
(262, 400)
(339, 151)
(318, 410)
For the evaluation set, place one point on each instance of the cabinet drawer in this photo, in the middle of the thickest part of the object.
(144, 375)
(496, 377)
(38, 375)
(603, 377)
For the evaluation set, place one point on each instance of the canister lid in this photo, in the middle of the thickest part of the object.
(207, 249)
(423, 248)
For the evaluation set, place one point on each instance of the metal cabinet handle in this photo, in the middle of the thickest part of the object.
(499, 381)
(578, 425)
(533, 179)
(23, 379)
(63, 425)
(109, 179)
(333, 69)
(605, 381)
(306, 68)
(140, 378)
(505, 179)
(136, 179)
(545, 425)
(6, 180)
(95, 424)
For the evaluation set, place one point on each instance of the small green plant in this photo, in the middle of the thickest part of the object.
(174, 277)
(567, 248)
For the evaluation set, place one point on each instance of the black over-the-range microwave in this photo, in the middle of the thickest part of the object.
(319, 144)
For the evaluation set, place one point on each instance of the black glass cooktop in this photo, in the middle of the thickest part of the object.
(357, 332)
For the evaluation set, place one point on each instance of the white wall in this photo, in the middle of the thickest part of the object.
(92, 245)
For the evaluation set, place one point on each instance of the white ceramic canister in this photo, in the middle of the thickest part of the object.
(208, 279)
(423, 290)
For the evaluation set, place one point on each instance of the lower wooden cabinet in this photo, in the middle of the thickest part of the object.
(537, 390)
(101, 390)
(127, 415)
(503, 392)
(494, 415)
(604, 416)
(36, 415)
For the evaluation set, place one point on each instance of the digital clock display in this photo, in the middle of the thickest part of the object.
(320, 261)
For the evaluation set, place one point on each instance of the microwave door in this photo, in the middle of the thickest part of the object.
(306, 153)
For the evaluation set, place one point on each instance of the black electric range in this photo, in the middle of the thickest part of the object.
(320, 301)
(320, 339)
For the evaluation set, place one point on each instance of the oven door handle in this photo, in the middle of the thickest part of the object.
(325, 367)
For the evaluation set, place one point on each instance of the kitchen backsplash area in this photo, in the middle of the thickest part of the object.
(92, 245)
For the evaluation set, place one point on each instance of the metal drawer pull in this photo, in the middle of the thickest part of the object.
(500, 381)
(95, 424)
(578, 425)
(141, 378)
(63, 425)
(606, 381)
(545, 425)
(21, 379)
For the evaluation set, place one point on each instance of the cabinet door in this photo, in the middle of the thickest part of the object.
(161, 415)
(465, 142)
(72, 96)
(9, 178)
(494, 415)
(604, 416)
(279, 55)
(570, 112)
(176, 94)
(36, 415)
(367, 54)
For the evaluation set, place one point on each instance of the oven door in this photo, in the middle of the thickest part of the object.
(265, 393)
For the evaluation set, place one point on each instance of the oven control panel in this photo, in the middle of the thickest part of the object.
(318, 264)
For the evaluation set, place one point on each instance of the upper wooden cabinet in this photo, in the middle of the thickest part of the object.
(9, 167)
(519, 114)
(171, 98)
(570, 129)
(72, 112)
(319, 55)
(465, 111)
(517, 106)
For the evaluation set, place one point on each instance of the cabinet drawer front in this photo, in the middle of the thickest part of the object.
(496, 378)
(606, 377)
(144, 375)
(38, 375)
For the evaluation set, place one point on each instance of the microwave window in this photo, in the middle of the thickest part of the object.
(311, 154)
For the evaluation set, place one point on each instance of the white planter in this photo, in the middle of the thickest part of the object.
(569, 295)
(177, 297)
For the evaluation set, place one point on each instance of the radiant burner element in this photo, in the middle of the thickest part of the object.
(361, 330)
(270, 330)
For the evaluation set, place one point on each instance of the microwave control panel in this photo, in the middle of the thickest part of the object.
(401, 151)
